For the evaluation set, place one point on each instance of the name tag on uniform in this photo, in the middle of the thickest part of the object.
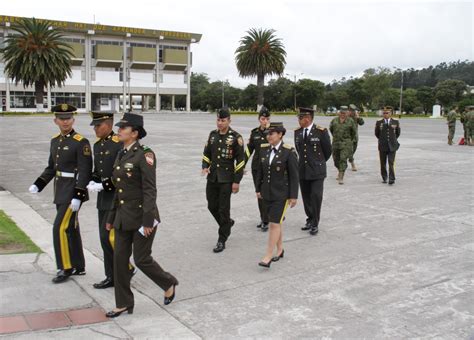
(66, 148)
(315, 139)
(128, 166)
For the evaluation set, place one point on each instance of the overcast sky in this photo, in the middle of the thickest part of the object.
(324, 40)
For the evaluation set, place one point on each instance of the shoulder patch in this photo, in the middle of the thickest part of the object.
(319, 127)
(115, 139)
(78, 137)
(55, 136)
(265, 145)
(150, 158)
(288, 146)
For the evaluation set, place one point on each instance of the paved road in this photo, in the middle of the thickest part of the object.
(388, 261)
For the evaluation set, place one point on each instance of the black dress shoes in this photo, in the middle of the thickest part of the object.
(169, 299)
(314, 230)
(114, 314)
(220, 246)
(384, 181)
(265, 264)
(307, 226)
(278, 257)
(260, 224)
(108, 282)
(232, 222)
(391, 182)
(78, 271)
(62, 276)
(264, 227)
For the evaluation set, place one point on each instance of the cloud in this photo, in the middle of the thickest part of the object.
(324, 40)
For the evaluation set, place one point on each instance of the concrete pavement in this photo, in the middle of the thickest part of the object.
(390, 262)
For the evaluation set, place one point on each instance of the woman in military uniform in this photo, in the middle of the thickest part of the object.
(277, 185)
(135, 215)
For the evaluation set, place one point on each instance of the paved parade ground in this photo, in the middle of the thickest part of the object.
(391, 262)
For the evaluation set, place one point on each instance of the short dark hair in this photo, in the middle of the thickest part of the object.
(139, 130)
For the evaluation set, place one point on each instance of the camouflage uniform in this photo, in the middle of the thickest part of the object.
(470, 125)
(358, 121)
(343, 134)
(451, 118)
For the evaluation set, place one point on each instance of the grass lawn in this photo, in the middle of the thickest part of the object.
(12, 239)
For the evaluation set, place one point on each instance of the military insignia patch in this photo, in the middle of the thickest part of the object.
(64, 107)
(150, 158)
(115, 139)
(86, 150)
(240, 141)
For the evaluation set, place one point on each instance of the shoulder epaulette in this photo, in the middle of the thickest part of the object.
(78, 137)
(146, 148)
(115, 139)
(55, 136)
(265, 145)
(319, 127)
(288, 146)
(395, 119)
(97, 140)
(298, 128)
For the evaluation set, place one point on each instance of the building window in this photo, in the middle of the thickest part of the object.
(22, 100)
(169, 47)
(77, 99)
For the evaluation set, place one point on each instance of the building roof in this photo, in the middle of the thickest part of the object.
(79, 27)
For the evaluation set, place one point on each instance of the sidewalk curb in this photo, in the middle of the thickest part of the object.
(149, 319)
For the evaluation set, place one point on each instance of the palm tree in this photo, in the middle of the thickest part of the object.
(35, 54)
(260, 53)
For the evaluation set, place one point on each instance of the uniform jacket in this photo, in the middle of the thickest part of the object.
(313, 152)
(257, 138)
(105, 153)
(451, 118)
(278, 180)
(343, 133)
(134, 177)
(224, 156)
(69, 154)
(388, 134)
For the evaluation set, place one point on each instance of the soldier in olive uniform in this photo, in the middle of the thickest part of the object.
(277, 185)
(70, 165)
(354, 114)
(464, 120)
(258, 136)
(313, 145)
(134, 215)
(223, 162)
(344, 131)
(105, 150)
(470, 125)
(451, 121)
(387, 131)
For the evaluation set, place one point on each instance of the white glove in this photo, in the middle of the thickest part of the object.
(90, 186)
(98, 187)
(95, 187)
(33, 189)
(75, 204)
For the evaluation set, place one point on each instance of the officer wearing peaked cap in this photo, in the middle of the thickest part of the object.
(258, 136)
(223, 162)
(387, 131)
(313, 145)
(105, 149)
(70, 166)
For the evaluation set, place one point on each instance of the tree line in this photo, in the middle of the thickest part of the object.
(445, 84)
